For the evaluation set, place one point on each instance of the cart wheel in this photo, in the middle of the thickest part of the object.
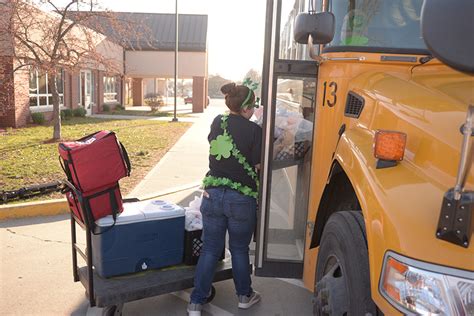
(114, 310)
(109, 310)
(213, 293)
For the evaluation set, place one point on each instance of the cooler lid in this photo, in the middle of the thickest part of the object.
(156, 209)
(131, 214)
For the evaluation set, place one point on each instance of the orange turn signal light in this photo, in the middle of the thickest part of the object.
(394, 271)
(390, 145)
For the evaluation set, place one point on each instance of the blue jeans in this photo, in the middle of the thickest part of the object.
(225, 210)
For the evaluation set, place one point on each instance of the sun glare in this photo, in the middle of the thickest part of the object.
(235, 30)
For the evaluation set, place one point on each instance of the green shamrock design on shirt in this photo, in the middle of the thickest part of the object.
(221, 147)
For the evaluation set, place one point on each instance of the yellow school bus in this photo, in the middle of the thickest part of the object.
(367, 185)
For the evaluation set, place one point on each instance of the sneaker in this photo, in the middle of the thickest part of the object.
(194, 309)
(247, 301)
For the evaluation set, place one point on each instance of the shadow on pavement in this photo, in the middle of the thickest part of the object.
(33, 221)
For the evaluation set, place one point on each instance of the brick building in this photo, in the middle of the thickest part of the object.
(146, 66)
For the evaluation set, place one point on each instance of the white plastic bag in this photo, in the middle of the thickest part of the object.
(196, 203)
(193, 216)
(193, 220)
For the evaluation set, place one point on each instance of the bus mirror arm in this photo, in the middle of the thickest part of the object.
(465, 162)
(455, 220)
(312, 51)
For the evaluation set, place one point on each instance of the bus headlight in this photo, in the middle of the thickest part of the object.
(426, 289)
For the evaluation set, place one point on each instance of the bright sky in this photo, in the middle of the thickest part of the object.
(235, 30)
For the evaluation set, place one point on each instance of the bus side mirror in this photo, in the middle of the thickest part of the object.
(447, 28)
(320, 26)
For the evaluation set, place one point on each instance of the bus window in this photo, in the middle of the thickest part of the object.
(391, 24)
(292, 135)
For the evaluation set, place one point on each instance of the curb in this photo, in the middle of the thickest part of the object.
(60, 206)
(33, 209)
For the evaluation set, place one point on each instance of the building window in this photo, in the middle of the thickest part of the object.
(39, 89)
(110, 89)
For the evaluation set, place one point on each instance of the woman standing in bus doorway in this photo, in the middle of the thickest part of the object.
(230, 198)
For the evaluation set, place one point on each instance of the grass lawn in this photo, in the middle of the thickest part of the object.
(143, 113)
(139, 113)
(28, 157)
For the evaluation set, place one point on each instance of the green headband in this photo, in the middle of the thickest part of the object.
(252, 87)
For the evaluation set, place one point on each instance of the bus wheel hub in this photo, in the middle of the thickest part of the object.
(332, 298)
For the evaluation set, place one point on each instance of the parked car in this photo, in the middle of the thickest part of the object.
(189, 99)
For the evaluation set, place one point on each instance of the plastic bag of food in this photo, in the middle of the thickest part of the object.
(193, 216)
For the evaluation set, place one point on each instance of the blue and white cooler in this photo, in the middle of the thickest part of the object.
(146, 235)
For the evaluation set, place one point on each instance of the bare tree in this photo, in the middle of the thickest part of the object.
(54, 36)
(215, 84)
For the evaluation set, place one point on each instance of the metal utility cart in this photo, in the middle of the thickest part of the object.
(112, 293)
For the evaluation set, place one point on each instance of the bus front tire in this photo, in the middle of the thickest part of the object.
(342, 270)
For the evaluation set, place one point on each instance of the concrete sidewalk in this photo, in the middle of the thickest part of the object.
(186, 163)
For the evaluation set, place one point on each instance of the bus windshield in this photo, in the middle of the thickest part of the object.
(393, 24)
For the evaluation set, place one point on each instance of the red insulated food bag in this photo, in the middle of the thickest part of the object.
(94, 161)
(74, 205)
(103, 202)
(93, 165)
(97, 204)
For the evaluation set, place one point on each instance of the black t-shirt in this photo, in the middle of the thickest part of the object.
(247, 138)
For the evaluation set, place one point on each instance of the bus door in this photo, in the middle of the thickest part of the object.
(288, 95)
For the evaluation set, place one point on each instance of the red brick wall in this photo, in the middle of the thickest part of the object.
(206, 92)
(199, 93)
(22, 98)
(119, 89)
(74, 90)
(7, 99)
(67, 89)
(14, 98)
(48, 116)
(100, 91)
(95, 93)
(137, 91)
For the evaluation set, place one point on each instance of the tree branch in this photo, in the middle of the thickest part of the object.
(59, 34)
(26, 41)
(30, 48)
(21, 66)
